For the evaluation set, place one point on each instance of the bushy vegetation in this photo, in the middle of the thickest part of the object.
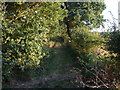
(31, 29)
(85, 41)
(114, 42)
(25, 27)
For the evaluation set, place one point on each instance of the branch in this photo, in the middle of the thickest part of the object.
(17, 17)
(95, 75)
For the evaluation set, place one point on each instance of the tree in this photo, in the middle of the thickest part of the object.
(83, 13)
(25, 27)
(82, 18)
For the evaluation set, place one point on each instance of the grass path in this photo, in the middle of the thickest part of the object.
(59, 71)
(60, 62)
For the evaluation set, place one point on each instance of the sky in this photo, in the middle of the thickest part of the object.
(111, 5)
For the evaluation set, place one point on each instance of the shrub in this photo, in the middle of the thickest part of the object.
(25, 27)
(85, 41)
(114, 42)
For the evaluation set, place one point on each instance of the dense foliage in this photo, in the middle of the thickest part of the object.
(82, 18)
(25, 27)
(83, 13)
(85, 41)
(114, 42)
(31, 29)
